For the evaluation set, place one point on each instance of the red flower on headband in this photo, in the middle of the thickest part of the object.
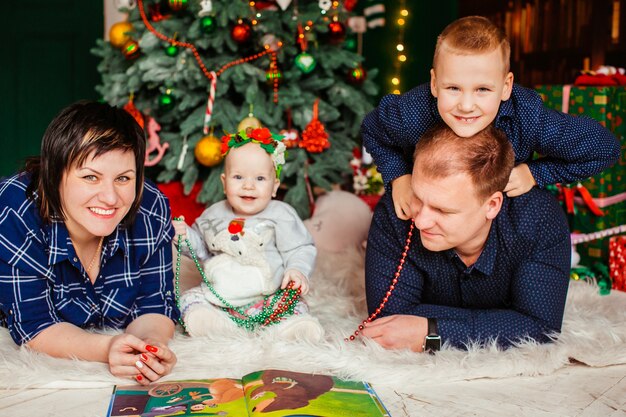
(263, 135)
(225, 140)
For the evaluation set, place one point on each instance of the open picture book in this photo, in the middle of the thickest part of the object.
(269, 393)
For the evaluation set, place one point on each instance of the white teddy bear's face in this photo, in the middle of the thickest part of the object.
(244, 246)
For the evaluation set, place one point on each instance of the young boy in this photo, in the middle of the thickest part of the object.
(470, 88)
(252, 245)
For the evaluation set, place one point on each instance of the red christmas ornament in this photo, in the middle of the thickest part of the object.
(265, 4)
(357, 76)
(131, 49)
(314, 137)
(336, 32)
(241, 32)
(349, 5)
(155, 13)
(133, 111)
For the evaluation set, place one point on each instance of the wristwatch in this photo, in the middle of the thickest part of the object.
(432, 341)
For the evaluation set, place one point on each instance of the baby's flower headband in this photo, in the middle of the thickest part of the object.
(271, 143)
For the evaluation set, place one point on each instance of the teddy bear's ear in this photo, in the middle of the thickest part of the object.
(266, 235)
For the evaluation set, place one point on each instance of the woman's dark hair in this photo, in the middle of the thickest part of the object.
(79, 130)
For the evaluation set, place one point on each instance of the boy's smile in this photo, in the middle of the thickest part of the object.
(469, 89)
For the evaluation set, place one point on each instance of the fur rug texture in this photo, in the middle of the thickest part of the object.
(594, 334)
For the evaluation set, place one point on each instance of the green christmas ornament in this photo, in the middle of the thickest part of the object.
(171, 50)
(166, 101)
(305, 62)
(207, 24)
(350, 43)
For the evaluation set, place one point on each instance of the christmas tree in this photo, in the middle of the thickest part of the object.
(192, 71)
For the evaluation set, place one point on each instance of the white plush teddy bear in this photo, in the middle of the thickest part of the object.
(240, 273)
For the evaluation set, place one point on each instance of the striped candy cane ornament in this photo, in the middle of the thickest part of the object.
(209, 103)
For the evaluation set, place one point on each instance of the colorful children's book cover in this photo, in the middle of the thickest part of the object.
(269, 393)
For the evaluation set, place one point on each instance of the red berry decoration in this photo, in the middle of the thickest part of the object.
(241, 32)
(336, 32)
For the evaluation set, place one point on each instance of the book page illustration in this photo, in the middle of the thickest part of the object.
(274, 393)
(216, 397)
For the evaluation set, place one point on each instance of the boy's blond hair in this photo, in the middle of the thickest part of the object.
(473, 35)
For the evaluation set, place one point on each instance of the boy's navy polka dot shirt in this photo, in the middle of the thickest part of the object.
(574, 147)
(517, 288)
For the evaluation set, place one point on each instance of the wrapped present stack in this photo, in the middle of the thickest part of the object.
(617, 262)
(600, 201)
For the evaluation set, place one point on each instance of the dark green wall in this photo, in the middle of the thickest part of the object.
(425, 21)
(46, 65)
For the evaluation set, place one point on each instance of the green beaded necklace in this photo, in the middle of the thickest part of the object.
(284, 301)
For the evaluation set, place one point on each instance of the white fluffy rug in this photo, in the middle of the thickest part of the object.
(594, 333)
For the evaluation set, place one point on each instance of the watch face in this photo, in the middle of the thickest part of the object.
(432, 343)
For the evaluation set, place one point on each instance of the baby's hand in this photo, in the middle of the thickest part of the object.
(180, 227)
(402, 194)
(298, 278)
(520, 181)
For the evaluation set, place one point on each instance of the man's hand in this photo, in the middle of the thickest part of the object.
(520, 181)
(398, 332)
(298, 278)
(402, 194)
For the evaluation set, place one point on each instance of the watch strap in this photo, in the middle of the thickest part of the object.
(432, 341)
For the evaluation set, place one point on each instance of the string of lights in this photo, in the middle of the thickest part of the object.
(401, 57)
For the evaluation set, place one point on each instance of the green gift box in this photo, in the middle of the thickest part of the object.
(585, 222)
(607, 105)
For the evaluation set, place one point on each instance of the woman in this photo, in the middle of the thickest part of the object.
(85, 244)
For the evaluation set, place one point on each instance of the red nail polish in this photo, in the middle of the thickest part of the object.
(139, 378)
(152, 349)
(144, 357)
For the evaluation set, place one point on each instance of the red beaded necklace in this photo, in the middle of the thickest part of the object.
(394, 281)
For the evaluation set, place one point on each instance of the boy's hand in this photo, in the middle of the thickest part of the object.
(520, 181)
(402, 194)
(298, 278)
(180, 227)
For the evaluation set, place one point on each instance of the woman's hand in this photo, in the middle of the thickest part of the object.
(143, 360)
(156, 362)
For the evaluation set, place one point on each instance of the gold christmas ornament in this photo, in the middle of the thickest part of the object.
(249, 121)
(118, 34)
(208, 151)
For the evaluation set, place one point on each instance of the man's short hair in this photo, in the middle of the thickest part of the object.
(473, 35)
(487, 157)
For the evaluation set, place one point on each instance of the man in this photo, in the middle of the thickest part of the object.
(481, 266)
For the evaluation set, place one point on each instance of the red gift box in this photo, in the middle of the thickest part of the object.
(617, 262)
